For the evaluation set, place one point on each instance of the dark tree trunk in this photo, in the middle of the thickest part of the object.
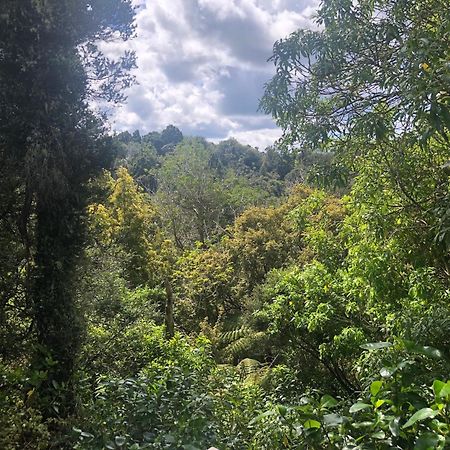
(58, 325)
(168, 317)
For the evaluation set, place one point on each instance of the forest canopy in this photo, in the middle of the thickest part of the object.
(159, 290)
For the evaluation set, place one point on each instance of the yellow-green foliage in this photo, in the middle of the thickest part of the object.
(204, 279)
(129, 219)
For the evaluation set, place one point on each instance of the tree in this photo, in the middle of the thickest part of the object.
(191, 196)
(230, 154)
(374, 68)
(372, 86)
(170, 136)
(51, 65)
(128, 221)
(165, 141)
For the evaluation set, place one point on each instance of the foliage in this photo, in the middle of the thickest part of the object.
(211, 295)
(51, 143)
(179, 400)
(371, 68)
(127, 219)
(191, 197)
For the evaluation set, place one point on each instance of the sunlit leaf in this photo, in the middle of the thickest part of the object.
(419, 416)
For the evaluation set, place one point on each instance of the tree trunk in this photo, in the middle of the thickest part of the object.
(168, 318)
(57, 323)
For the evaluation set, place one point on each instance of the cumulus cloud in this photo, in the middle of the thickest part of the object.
(203, 64)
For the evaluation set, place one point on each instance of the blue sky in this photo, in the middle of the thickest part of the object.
(203, 64)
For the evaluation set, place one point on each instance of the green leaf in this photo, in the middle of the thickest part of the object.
(359, 406)
(431, 352)
(258, 418)
(333, 419)
(365, 424)
(422, 414)
(441, 389)
(375, 345)
(387, 372)
(86, 435)
(311, 424)
(427, 441)
(437, 387)
(375, 387)
(327, 401)
(379, 435)
(120, 440)
(394, 427)
(148, 437)
(169, 439)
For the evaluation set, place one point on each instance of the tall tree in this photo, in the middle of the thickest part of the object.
(51, 65)
(372, 84)
(372, 68)
(191, 197)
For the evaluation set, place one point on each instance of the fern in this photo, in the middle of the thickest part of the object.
(233, 335)
(241, 343)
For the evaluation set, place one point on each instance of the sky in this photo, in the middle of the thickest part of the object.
(202, 65)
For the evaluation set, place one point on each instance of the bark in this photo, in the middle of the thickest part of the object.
(168, 317)
(58, 325)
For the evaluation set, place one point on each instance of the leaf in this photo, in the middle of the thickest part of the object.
(333, 419)
(394, 427)
(379, 435)
(422, 414)
(375, 387)
(375, 345)
(311, 424)
(282, 410)
(441, 389)
(365, 424)
(170, 439)
(120, 440)
(387, 372)
(358, 407)
(327, 401)
(427, 441)
(431, 352)
(148, 437)
(437, 387)
(86, 435)
(262, 416)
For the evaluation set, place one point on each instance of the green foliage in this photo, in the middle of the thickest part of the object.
(191, 197)
(180, 400)
(372, 67)
(22, 424)
(129, 220)
(309, 320)
(51, 143)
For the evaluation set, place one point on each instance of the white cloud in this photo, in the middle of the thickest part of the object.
(260, 138)
(202, 65)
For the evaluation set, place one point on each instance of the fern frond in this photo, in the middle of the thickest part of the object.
(233, 335)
